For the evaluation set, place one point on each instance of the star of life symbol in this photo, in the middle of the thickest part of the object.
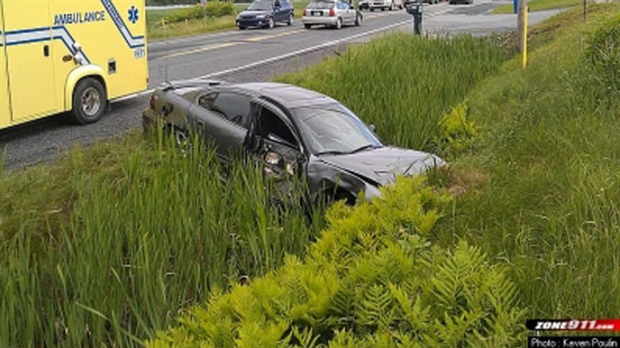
(133, 14)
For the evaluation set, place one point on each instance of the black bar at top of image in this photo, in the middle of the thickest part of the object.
(573, 342)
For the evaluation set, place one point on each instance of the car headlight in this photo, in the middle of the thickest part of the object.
(261, 16)
(371, 191)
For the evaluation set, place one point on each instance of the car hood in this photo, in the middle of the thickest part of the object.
(253, 13)
(382, 165)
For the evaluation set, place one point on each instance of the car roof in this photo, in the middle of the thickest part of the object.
(288, 95)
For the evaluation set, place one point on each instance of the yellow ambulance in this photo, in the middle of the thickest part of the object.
(69, 56)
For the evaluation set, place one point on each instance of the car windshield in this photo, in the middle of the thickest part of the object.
(320, 5)
(260, 6)
(333, 129)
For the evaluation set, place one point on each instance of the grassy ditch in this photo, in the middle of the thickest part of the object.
(542, 186)
(104, 247)
(540, 5)
(159, 25)
(109, 244)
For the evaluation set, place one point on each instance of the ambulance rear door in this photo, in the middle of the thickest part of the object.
(27, 40)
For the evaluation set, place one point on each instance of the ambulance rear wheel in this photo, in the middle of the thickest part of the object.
(89, 101)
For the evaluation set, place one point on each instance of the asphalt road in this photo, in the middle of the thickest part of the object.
(241, 56)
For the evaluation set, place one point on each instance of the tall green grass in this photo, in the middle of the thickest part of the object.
(403, 84)
(144, 235)
(547, 169)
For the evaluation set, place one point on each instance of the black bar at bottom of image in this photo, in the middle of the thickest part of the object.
(573, 342)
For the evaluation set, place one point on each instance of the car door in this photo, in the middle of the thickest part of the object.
(210, 117)
(287, 8)
(281, 149)
(342, 11)
(350, 12)
(281, 12)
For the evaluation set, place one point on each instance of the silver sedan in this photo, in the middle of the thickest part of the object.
(333, 13)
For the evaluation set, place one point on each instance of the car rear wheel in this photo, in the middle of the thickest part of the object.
(291, 19)
(241, 28)
(372, 10)
(89, 101)
(338, 23)
(307, 26)
(271, 23)
(358, 20)
(391, 8)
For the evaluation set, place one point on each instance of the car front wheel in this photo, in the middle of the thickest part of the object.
(358, 20)
(307, 26)
(291, 19)
(271, 23)
(89, 101)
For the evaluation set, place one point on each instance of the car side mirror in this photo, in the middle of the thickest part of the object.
(372, 128)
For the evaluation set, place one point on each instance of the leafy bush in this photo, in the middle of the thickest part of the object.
(371, 280)
(456, 132)
(603, 52)
(213, 9)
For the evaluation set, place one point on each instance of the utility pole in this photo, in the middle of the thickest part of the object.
(520, 20)
(584, 10)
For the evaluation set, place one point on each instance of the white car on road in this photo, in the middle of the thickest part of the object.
(334, 13)
(382, 4)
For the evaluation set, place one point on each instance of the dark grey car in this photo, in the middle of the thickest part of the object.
(292, 130)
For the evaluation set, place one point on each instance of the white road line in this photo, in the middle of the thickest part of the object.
(291, 54)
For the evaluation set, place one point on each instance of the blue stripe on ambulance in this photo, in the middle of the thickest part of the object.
(132, 41)
(19, 37)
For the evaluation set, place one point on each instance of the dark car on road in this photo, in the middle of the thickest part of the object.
(289, 130)
(266, 14)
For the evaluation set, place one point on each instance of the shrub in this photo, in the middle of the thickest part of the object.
(371, 280)
(213, 9)
(456, 132)
(603, 52)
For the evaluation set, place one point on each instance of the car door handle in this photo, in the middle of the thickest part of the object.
(46, 51)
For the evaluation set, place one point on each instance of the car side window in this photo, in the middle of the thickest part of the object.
(285, 4)
(207, 100)
(235, 107)
(272, 127)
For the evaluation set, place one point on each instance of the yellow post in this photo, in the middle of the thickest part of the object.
(525, 14)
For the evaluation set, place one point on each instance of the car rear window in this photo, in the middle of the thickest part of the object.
(320, 5)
